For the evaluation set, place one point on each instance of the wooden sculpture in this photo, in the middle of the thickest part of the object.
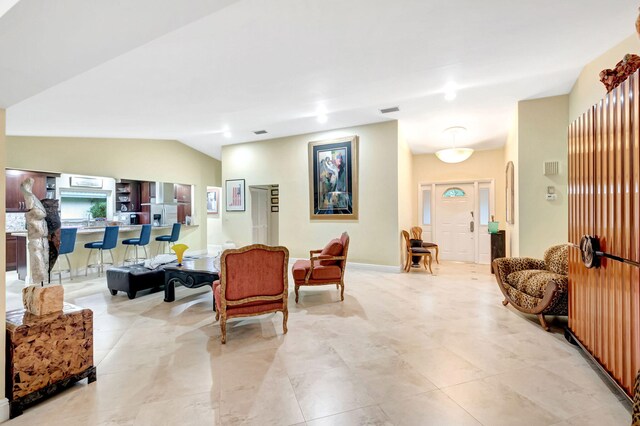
(37, 233)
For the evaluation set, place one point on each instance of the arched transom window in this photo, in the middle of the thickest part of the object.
(453, 192)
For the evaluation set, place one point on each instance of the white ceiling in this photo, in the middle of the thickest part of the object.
(189, 70)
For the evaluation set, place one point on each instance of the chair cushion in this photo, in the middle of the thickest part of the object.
(533, 282)
(93, 245)
(163, 238)
(333, 248)
(320, 272)
(419, 250)
(246, 308)
(556, 259)
(131, 241)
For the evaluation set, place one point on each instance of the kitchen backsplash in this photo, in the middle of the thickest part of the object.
(15, 222)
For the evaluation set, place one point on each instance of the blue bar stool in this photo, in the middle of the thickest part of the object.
(109, 242)
(141, 241)
(67, 245)
(169, 239)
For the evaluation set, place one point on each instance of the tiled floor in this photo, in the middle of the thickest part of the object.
(402, 349)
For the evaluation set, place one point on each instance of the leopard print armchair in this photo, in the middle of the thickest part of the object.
(534, 286)
(635, 420)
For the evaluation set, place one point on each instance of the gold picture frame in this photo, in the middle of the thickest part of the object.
(333, 179)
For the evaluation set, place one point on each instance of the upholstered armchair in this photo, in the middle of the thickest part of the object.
(253, 281)
(413, 254)
(326, 266)
(635, 419)
(534, 286)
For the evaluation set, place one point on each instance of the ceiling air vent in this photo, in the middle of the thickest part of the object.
(551, 168)
(260, 132)
(388, 110)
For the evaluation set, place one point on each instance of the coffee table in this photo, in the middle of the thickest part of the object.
(193, 273)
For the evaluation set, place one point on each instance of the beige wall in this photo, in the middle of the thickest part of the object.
(284, 161)
(511, 154)
(481, 165)
(542, 135)
(588, 90)
(407, 199)
(140, 159)
(3, 242)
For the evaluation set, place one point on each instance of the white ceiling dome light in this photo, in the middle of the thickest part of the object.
(454, 154)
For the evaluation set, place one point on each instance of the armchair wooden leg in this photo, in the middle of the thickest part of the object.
(285, 314)
(505, 302)
(407, 264)
(223, 329)
(543, 322)
(296, 289)
(437, 255)
(342, 292)
(217, 315)
(430, 260)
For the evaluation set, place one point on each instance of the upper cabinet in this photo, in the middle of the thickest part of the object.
(14, 198)
(183, 193)
(128, 195)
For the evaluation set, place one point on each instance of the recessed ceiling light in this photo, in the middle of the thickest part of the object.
(227, 134)
(388, 110)
(322, 118)
(450, 91)
(260, 132)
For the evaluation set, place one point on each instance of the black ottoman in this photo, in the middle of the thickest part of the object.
(132, 279)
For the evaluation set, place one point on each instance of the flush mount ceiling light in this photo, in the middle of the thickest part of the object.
(454, 154)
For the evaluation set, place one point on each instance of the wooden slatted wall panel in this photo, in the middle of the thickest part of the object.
(604, 200)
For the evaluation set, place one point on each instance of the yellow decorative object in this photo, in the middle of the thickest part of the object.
(179, 249)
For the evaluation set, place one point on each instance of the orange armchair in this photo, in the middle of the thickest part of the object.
(253, 281)
(326, 266)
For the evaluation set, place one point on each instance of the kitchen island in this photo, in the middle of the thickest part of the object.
(88, 234)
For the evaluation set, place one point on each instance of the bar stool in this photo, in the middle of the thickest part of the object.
(169, 239)
(67, 245)
(109, 242)
(141, 241)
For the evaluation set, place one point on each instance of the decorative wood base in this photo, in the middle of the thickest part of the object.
(17, 406)
(47, 353)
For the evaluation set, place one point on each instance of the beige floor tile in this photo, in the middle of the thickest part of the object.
(325, 393)
(267, 402)
(442, 366)
(191, 410)
(494, 404)
(609, 414)
(391, 379)
(431, 408)
(370, 416)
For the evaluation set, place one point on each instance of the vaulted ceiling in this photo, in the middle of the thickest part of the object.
(210, 72)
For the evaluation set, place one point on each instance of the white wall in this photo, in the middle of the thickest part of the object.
(407, 197)
(284, 161)
(511, 154)
(3, 244)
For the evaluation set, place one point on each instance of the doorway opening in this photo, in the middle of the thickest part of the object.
(456, 215)
(265, 205)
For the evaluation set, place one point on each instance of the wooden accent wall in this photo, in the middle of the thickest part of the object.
(604, 201)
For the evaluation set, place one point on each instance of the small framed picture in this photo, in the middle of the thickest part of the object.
(275, 192)
(213, 200)
(235, 195)
(275, 209)
(274, 200)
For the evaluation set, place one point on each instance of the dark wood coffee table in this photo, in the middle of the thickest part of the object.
(193, 273)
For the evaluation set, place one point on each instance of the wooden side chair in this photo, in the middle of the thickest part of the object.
(422, 252)
(253, 281)
(416, 234)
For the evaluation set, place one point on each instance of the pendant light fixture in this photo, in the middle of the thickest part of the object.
(454, 154)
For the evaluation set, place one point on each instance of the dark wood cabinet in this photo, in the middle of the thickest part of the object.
(498, 246)
(183, 193)
(11, 253)
(14, 198)
(21, 257)
(184, 210)
(128, 196)
(145, 198)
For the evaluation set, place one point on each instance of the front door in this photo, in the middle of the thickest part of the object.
(455, 221)
(259, 215)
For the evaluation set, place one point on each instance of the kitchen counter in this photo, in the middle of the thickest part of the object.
(86, 230)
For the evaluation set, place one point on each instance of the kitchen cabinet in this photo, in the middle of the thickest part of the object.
(183, 193)
(11, 252)
(184, 210)
(21, 257)
(128, 196)
(14, 198)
